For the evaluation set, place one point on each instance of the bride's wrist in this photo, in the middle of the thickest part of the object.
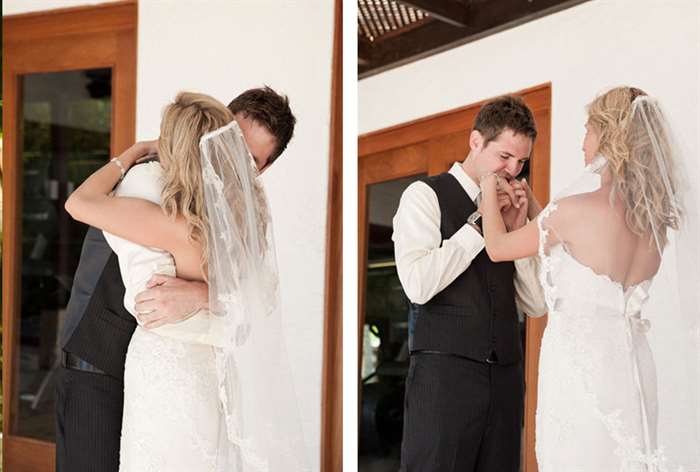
(488, 181)
(129, 157)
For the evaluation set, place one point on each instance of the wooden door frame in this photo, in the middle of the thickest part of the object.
(373, 168)
(52, 41)
(332, 381)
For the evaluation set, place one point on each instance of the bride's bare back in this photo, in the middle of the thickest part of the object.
(595, 233)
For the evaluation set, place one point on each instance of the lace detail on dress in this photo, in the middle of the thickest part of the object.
(587, 347)
(171, 410)
(547, 262)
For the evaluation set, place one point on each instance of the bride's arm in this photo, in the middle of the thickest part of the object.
(500, 244)
(134, 219)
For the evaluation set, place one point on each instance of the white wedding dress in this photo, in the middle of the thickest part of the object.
(596, 396)
(600, 407)
(172, 417)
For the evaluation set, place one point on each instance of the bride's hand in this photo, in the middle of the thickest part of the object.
(489, 181)
(138, 152)
(150, 147)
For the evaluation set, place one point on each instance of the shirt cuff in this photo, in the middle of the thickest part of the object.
(528, 290)
(469, 239)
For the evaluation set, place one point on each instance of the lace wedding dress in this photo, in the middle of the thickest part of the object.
(620, 362)
(597, 402)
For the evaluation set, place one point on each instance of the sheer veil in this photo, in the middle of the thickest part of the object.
(673, 308)
(263, 430)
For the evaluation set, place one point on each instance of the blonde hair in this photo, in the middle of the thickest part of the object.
(631, 154)
(184, 122)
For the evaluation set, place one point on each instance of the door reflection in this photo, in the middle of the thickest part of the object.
(385, 336)
(65, 136)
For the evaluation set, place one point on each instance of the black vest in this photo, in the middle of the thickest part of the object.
(474, 316)
(99, 327)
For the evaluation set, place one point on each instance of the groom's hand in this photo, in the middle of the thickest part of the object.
(514, 216)
(170, 300)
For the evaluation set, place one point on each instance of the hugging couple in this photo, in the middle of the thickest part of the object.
(173, 351)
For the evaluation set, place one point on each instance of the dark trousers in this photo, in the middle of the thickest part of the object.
(461, 415)
(89, 415)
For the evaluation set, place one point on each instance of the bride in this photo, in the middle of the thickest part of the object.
(600, 246)
(214, 392)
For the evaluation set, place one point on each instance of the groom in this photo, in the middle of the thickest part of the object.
(97, 328)
(464, 389)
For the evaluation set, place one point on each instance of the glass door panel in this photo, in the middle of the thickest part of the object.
(65, 133)
(385, 336)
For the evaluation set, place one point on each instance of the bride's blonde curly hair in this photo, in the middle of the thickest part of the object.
(184, 122)
(624, 141)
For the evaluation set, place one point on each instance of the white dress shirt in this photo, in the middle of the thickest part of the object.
(139, 263)
(426, 264)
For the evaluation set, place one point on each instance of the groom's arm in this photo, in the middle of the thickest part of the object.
(425, 263)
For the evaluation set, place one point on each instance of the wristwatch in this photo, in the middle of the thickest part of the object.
(473, 221)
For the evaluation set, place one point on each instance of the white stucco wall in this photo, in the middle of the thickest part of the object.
(652, 44)
(222, 48)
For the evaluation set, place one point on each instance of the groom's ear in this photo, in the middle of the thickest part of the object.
(476, 141)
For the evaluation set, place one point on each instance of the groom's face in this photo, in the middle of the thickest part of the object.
(260, 141)
(505, 155)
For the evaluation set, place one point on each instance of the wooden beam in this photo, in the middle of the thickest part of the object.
(483, 19)
(403, 48)
(332, 382)
(364, 50)
(452, 12)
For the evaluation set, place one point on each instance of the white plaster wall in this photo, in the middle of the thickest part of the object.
(223, 47)
(652, 44)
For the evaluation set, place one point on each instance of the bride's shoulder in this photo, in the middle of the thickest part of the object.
(579, 202)
(584, 208)
(570, 208)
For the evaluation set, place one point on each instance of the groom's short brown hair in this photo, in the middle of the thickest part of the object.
(506, 112)
(271, 110)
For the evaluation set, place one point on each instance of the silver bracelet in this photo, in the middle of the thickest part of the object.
(121, 167)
